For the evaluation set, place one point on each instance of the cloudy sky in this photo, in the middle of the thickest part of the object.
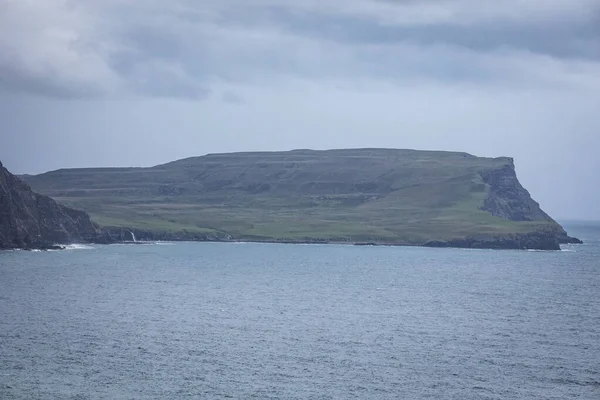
(141, 82)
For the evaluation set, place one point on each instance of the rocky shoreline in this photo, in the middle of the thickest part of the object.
(532, 241)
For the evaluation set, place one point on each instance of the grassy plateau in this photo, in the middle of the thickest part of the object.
(362, 195)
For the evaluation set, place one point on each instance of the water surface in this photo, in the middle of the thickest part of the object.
(212, 321)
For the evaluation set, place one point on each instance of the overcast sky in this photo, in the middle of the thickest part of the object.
(142, 82)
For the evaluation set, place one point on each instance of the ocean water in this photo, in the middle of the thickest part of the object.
(243, 321)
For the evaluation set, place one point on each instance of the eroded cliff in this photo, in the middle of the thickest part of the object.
(508, 199)
(31, 220)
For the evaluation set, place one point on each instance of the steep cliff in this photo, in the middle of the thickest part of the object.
(30, 220)
(508, 199)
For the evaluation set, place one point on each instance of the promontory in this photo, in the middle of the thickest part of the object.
(362, 196)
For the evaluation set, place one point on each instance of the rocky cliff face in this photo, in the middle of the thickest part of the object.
(30, 220)
(508, 199)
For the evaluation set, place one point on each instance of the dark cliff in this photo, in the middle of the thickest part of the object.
(509, 200)
(31, 220)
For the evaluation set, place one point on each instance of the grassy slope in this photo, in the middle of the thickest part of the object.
(360, 195)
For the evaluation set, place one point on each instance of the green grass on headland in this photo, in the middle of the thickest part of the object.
(379, 195)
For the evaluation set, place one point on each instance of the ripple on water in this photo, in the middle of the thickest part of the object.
(216, 320)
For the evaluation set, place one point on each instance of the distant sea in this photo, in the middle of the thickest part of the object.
(268, 321)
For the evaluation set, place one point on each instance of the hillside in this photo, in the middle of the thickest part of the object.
(364, 195)
(32, 221)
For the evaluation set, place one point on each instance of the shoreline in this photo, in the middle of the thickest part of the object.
(542, 240)
(499, 244)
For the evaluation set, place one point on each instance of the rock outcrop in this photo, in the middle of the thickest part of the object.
(33, 221)
(521, 241)
(509, 200)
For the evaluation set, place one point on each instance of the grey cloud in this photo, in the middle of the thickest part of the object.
(53, 48)
(13, 80)
(232, 98)
(160, 79)
(180, 49)
(559, 38)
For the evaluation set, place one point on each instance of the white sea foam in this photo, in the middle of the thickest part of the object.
(143, 243)
(78, 247)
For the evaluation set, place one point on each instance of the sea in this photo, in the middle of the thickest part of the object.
(279, 321)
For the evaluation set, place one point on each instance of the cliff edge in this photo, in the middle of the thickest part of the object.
(509, 200)
(32, 221)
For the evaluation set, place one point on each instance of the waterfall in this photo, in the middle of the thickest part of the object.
(133, 236)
